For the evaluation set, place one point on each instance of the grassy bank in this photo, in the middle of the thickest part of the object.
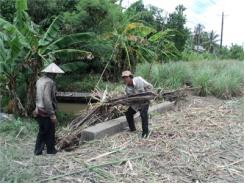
(223, 79)
(14, 156)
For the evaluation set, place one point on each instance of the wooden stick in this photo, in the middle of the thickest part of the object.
(103, 155)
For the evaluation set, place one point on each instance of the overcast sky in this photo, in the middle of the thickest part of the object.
(208, 13)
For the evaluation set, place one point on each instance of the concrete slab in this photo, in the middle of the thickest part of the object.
(119, 124)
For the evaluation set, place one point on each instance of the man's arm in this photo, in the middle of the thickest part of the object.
(147, 86)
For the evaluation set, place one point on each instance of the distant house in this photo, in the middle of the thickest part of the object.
(199, 48)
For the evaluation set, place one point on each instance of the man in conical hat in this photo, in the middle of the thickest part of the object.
(45, 109)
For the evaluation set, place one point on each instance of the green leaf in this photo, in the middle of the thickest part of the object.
(52, 33)
(70, 54)
(3, 51)
(74, 66)
(167, 34)
(74, 39)
(138, 29)
(23, 23)
(67, 41)
(21, 5)
(11, 31)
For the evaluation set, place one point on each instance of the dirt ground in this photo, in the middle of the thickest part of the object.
(202, 140)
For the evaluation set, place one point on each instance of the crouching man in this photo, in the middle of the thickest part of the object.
(135, 85)
(45, 109)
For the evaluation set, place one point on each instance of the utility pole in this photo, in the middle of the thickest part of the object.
(222, 27)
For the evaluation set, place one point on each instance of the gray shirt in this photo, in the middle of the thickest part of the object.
(139, 86)
(45, 95)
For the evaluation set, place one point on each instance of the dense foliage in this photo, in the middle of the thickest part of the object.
(90, 37)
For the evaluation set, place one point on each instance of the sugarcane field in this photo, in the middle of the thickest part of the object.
(115, 91)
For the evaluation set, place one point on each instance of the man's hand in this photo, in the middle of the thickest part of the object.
(53, 119)
(34, 113)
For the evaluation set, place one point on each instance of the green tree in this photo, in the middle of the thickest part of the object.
(236, 52)
(41, 12)
(151, 16)
(98, 16)
(30, 49)
(198, 34)
(7, 9)
(210, 42)
(177, 20)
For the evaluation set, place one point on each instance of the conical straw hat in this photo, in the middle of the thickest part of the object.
(52, 68)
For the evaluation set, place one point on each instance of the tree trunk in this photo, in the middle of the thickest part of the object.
(18, 108)
(31, 86)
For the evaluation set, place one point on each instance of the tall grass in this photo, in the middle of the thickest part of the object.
(170, 75)
(18, 127)
(222, 79)
(195, 56)
(228, 82)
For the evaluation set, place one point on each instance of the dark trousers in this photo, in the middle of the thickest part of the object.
(144, 118)
(45, 136)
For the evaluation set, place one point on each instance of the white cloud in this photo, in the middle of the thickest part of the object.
(208, 13)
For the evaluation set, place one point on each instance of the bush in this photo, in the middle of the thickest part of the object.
(228, 82)
(20, 127)
(169, 75)
(64, 118)
(196, 56)
(202, 77)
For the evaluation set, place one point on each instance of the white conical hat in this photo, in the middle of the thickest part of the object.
(52, 68)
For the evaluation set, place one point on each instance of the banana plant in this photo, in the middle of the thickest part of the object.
(35, 49)
(131, 45)
(135, 42)
(10, 60)
(161, 41)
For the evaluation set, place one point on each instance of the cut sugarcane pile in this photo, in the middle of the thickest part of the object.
(109, 107)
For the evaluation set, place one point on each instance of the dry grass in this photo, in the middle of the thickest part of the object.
(201, 141)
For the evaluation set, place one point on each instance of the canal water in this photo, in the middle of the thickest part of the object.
(73, 108)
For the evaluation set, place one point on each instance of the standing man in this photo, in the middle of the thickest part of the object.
(45, 109)
(135, 85)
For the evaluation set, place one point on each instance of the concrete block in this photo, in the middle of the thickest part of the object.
(104, 129)
(119, 124)
(162, 107)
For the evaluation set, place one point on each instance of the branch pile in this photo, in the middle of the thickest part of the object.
(108, 108)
